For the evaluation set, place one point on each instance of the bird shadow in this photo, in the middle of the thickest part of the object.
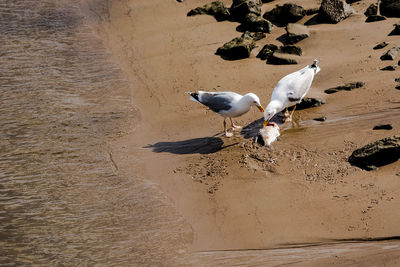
(204, 145)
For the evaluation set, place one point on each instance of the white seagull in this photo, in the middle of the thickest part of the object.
(290, 90)
(227, 104)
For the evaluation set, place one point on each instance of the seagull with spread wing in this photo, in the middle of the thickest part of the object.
(290, 90)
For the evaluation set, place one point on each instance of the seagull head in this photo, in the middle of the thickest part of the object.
(269, 112)
(254, 100)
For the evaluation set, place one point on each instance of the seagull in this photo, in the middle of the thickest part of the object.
(290, 90)
(227, 104)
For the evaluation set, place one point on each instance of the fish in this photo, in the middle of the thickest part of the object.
(268, 134)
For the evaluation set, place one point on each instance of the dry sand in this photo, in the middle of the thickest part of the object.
(235, 194)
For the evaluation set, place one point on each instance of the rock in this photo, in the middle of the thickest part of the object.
(397, 80)
(267, 51)
(312, 11)
(380, 45)
(334, 11)
(390, 68)
(288, 13)
(371, 10)
(281, 59)
(290, 49)
(257, 36)
(255, 23)
(347, 87)
(266, 1)
(238, 48)
(296, 32)
(240, 8)
(216, 9)
(309, 102)
(398, 86)
(352, 1)
(323, 118)
(376, 154)
(396, 30)
(383, 127)
(374, 18)
(390, 8)
(391, 53)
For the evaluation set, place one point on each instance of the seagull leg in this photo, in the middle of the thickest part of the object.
(225, 130)
(235, 127)
(291, 114)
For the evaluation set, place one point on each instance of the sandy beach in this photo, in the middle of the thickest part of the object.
(235, 196)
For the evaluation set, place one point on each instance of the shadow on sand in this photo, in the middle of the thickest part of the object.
(204, 145)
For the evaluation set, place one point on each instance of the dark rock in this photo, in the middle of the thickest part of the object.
(281, 59)
(290, 49)
(266, 1)
(267, 51)
(391, 53)
(257, 36)
(390, 68)
(352, 1)
(288, 13)
(374, 18)
(255, 23)
(240, 8)
(296, 32)
(309, 102)
(346, 87)
(398, 86)
(216, 9)
(312, 11)
(323, 118)
(380, 45)
(238, 48)
(334, 11)
(383, 127)
(390, 8)
(371, 10)
(396, 30)
(397, 80)
(376, 154)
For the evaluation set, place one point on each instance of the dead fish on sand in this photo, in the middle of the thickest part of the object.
(268, 134)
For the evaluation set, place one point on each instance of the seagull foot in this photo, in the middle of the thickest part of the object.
(236, 127)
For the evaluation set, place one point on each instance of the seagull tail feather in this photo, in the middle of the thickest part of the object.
(194, 96)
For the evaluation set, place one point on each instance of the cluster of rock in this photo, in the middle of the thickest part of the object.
(388, 8)
(391, 55)
(248, 14)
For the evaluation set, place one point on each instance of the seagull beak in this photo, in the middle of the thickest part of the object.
(260, 108)
(265, 123)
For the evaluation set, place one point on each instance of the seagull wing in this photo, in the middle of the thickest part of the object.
(299, 83)
(218, 101)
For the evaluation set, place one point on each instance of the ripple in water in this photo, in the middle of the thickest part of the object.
(62, 201)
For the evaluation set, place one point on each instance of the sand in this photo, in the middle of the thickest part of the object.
(237, 195)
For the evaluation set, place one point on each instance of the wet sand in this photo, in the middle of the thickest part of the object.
(236, 196)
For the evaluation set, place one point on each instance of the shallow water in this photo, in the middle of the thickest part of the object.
(62, 199)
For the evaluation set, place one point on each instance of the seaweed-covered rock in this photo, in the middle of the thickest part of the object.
(347, 87)
(376, 154)
(309, 102)
(281, 59)
(312, 11)
(390, 8)
(391, 53)
(238, 48)
(288, 13)
(334, 11)
(255, 23)
(371, 10)
(240, 8)
(267, 51)
(396, 30)
(216, 9)
(257, 36)
(296, 32)
(290, 49)
(380, 45)
(374, 18)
